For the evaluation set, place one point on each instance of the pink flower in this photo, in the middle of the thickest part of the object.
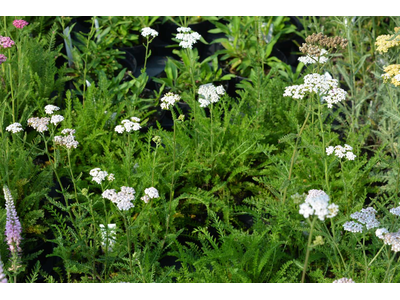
(20, 23)
(3, 58)
(6, 42)
(13, 226)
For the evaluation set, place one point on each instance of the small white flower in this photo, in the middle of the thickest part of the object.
(380, 233)
(148, 31)
(209, 94)
(333, 210)
(352, 226)
(329, 150)
(395, 211)
(50, 109)
(311, 59)
(56, 119)
(187, 39)
(111, 177)
(119, 129)
(169, 100)
(68, 140)
(39, 124)
(14, 128)
(350, 156)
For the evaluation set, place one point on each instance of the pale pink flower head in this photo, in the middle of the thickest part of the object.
(20, 23)
(6, 42)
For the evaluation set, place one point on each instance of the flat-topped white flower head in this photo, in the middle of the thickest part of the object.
(14, 128)
(187, 37)
(169, 100)
(50, 109)
(147, 31)
(317, 203)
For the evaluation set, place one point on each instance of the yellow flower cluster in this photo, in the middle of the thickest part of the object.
(392, 74)
(384, 44)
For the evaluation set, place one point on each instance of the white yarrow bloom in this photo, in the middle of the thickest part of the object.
(50, 109)
(209, 94)
(312, 59)
(367, 217)
(187, 38)
(341, 151)
(317, 203)
(380, 233)
(68, 140)
(169, 100)
(56, 119)
(128, 125)
(352, 226)
(39, 124)
(323, 85)
(111, 177)
(395, 211)
(148, 31)
(122, 199)
(14, 128)
(98, 175)
(119, 129)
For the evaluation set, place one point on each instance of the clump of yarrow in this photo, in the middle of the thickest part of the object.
(317, 203)
(67, 140)
(366, 217)
(99, 176)
(322, 85)
(150, 193)
(187, 37)
(128, 125)
(50, 109)
(122, 199)
(210, 94)
(147, 31)
(341, 151)
(169, 100)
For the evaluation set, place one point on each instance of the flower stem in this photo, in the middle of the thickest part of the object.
(308, 250)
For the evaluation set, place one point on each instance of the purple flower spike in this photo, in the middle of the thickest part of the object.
(13, 226)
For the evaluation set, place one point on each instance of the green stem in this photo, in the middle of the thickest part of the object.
(308, 250)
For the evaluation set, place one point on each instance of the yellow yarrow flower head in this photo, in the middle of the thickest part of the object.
(392, 74)
(384, 43)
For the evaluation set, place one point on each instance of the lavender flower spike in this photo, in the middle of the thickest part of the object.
(3, 278)
(13, 226)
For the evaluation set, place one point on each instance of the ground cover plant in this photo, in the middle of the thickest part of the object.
(199, 149)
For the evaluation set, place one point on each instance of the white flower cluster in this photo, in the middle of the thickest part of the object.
(395, 211)
(380, 233)
(397, 77)
(150, 193)
(187, 38)
(110, 240)
(50, 109)
(312, 59)
(317, 203)
(39, 124)
(148, 31)
(344, 280)
(68, 140)
(128, 125)
(56, 119)
(169, 100)
(122, 199)
(14, 128)
(322, 85)
(366, 217)
(392, 239)
(210, 94)
(341, 151)
(99, 176)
